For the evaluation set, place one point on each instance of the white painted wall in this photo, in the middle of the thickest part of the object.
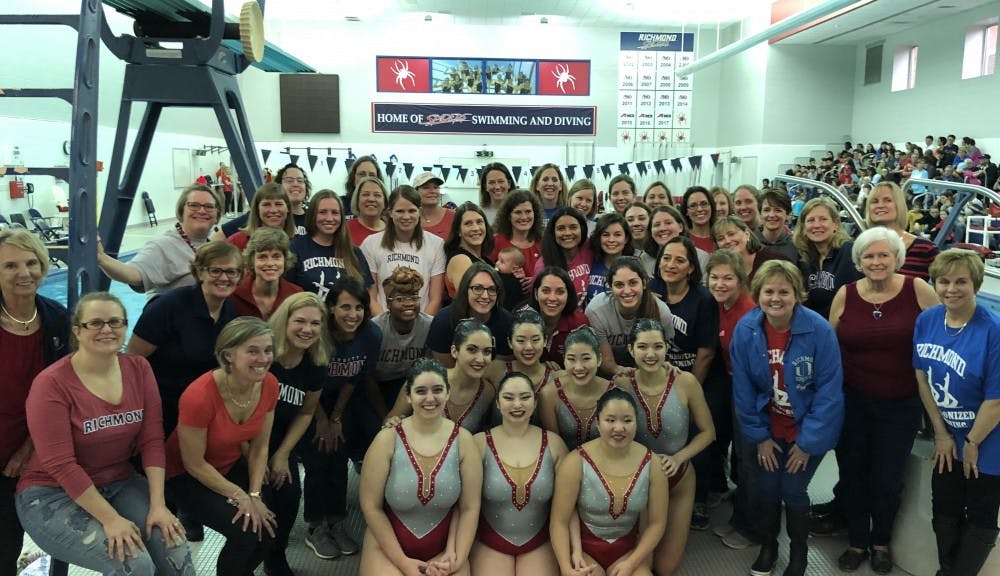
(941, 102)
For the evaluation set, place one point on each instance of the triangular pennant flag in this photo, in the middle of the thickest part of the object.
(389, 169)
(570, 172)
(641, 168)
(606, 170)
(658, 165)
(293, 158)
(715, 159)
(479, 172)
(265, 154)
(348, 162)
(515, 171)
(588, 170)
(462, 172)
(330, 162)
(532, 170)
(312, 161)
(408, 169)
(675, 163)
(695, 162)
(623, 168)
(428, 168)
(444, 173)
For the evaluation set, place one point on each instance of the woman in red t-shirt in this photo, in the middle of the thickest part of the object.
(80, 497)
(207, 473)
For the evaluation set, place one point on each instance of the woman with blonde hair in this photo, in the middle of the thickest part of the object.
(301, 353)
(887, 207)
(824, 253)
(368, 202)
(549, 185)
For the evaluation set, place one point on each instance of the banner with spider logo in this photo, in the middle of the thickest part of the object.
(497, 76)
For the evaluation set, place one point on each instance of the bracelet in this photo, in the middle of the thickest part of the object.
(971, 441)
(336, 419)
(255, 494)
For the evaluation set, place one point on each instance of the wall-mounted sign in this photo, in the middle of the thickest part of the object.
(483, 119)
(654, 104)
(483, 76)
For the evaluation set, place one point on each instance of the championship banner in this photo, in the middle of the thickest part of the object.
(482, 76)
(654, 104)
(484, 119)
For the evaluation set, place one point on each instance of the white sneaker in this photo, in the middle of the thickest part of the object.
(736, 541)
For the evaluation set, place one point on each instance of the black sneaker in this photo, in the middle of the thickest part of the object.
(824, 509)
(851, 559)
(830, 525)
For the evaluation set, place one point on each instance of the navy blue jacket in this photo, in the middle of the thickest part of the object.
(55, 328)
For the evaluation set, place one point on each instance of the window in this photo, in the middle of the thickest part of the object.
(980, 51)
(873, 64)
(904, 68)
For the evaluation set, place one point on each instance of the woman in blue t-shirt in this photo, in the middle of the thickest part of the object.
(956, 348)
(301, 354)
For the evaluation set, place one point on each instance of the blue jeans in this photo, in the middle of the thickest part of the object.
(68, 532)
(780, 486)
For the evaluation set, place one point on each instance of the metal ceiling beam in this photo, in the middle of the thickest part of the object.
(786, 25)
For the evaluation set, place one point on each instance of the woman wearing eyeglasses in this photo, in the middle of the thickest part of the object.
(698, 209)
(177, 331)
(326, 254)
(164, 262)
(478, 297)
(80, 497)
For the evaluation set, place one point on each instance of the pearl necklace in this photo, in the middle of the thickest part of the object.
(25, 324)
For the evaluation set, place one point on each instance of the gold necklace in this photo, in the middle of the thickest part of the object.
(25, 324)
(232, 397)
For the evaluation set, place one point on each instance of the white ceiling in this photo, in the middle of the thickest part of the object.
(631, 14)
(881, 19)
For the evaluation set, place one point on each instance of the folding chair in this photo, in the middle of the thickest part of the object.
(34, 213)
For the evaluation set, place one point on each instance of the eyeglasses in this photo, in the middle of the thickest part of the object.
(195, 206)
(114, 323)
(230, 273)
(478, 290)
(293, 180)
(411, 299)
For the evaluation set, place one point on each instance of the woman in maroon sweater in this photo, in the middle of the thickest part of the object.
(80, 497)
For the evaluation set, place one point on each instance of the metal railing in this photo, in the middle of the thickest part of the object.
(824, 188)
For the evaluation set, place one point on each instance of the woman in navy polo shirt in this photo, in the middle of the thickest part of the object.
(478, 297)
(177, 331)
(345, 420)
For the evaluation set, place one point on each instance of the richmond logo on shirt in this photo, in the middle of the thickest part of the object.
(112, 420)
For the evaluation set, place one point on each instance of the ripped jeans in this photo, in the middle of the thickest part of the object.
(68, 532)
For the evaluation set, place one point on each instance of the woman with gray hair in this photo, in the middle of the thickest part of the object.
(874, 319)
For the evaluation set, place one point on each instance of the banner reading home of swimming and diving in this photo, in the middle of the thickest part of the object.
(484, 119)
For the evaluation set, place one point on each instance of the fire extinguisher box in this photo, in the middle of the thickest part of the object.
(16, 189)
